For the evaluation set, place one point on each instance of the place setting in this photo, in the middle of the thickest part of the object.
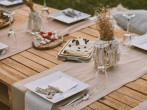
(56, 88)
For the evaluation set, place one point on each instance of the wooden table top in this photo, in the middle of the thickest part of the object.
(32, 61)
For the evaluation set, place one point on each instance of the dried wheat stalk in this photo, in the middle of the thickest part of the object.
(104, 23)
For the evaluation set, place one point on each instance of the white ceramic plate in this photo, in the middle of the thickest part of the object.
(45, 81)
(66, 19)
(10, 2)
(140, 42)
(3, 46)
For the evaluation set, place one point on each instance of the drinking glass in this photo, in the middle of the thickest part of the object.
(12, 41)
(101, 73)
(45, 8)
(127, 37)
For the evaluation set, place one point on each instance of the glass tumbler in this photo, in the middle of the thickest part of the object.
(34, 23)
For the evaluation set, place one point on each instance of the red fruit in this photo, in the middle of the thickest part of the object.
(53, 39)
(48, 37)
(50, 33)
(42, 32)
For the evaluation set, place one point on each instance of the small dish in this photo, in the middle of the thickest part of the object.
(3, 48)
(10, 2)
(61, 16)
(47, 80)
(140, 42)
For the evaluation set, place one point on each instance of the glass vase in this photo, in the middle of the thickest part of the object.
(34, 22)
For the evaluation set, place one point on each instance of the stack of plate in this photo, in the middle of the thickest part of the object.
(73, 52)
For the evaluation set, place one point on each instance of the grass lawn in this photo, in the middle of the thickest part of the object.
(89, 6)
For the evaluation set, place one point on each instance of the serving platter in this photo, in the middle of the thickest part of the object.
(50, 79)
(61, 16)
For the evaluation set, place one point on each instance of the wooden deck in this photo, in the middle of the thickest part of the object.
(31, 61)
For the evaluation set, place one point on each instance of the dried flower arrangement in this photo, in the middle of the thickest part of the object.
(104, 23)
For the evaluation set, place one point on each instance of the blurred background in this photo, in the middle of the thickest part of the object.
(89, 6)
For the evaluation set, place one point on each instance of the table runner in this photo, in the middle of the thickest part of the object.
(141, 106)
(24, 40)
(35, 102)
(129, 68)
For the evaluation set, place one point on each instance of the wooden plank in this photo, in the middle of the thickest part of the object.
(138, 87)
(142, 82)
(3, 107)
(93, 26)
(37, 59)
(124, 99)
(4, 98)
(30, 64)
(52, 52)
(91, 32)
(114, 103)
(133, 94)
(86, 108)
(80, 34)
(10, 96)
(19, 67)
(44, 55)
(67, 37)
(12, 72)
(99, 106)
(58, 48)
(144, 77)
(119, 33)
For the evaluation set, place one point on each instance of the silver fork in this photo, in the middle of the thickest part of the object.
(84, 98)
(74, 100)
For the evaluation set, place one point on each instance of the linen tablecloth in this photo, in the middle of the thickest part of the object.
(24, 39)
(130, 67)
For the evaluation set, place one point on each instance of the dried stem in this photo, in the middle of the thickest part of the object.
(104, 23)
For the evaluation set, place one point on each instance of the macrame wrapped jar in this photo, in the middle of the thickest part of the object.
(106, 53)
(106, 48)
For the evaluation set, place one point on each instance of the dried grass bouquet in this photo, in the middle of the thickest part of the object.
(104, 23)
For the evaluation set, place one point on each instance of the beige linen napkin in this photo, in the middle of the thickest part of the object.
(35, 102)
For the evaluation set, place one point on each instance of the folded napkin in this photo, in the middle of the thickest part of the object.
(35, 102)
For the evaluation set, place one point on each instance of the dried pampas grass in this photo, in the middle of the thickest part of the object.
(104, 23)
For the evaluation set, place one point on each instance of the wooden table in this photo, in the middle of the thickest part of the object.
(31, 61)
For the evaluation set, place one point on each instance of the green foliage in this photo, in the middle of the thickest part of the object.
(89, 6)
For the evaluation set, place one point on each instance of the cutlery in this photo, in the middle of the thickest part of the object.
(2, 52)
(74, 100)
(86, 97)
